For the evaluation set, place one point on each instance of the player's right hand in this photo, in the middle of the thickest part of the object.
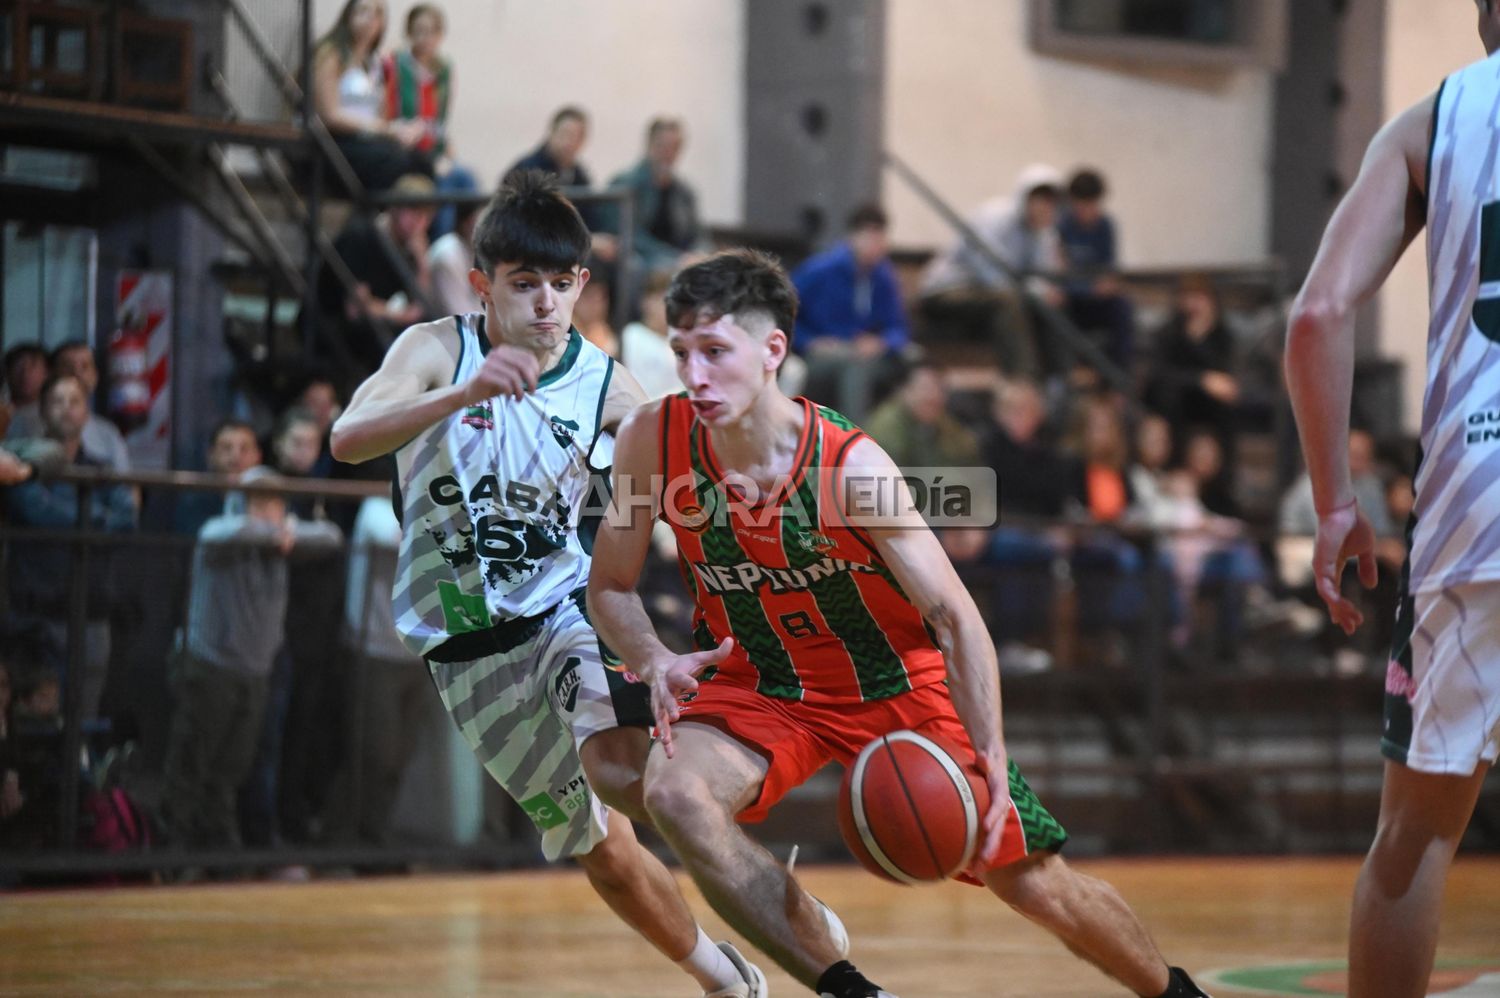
(674, 678)
(506, 370)
(1343, 533)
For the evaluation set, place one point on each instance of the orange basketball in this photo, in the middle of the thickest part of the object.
(910, 807)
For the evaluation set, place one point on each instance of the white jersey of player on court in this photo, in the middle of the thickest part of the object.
(1456, 529)
(490, 498)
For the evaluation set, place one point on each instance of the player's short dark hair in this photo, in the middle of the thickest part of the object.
(732, 282)
(566, 113)
(530, 222)
(425, 8)
(868, 216)
(224, 426)
(1086, 185)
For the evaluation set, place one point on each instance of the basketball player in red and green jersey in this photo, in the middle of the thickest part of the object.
(826, 623)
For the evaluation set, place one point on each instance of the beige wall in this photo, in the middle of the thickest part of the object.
(1426, 42)
(969, 104)
(624, 62)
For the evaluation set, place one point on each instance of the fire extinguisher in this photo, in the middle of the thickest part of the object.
(129, 381)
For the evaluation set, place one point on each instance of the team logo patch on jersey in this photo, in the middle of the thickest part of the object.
(562, 430)
(567, 684)
(812, 540)
(481, 416)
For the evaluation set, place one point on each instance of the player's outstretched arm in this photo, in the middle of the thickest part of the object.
(919, 563)
(412, 390)
(1369, 231)
(619, 554)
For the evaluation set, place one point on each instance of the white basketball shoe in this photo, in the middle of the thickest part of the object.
(754, 983)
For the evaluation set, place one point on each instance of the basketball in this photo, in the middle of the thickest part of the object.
(911, 807)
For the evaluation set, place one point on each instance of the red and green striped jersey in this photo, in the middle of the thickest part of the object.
(412, 92)
(815, 613)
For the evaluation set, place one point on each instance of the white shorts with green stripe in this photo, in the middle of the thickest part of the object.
(526, 695)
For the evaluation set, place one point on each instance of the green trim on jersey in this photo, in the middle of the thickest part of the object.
(747, 615)
(609, 373)
(877, 666)
(458, 327)
(569, 358)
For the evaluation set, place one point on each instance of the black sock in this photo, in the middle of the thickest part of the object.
(843, 981)
(1180, 985)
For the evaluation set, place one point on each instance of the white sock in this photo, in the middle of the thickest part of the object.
(708, 965)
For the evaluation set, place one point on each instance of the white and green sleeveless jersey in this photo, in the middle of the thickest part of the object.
(490, 498)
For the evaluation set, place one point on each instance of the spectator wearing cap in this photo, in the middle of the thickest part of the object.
(964, 289)
(221, 675)
(851, 323)
(1090, 247)
(376, 251)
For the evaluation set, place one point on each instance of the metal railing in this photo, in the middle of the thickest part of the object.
(1139, 744)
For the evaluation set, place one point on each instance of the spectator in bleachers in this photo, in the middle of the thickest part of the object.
(851, 323)
(666, 209)
(643, 344)
(349, 96)
(375, 250)
(419, 87)
(221, 676)
(25, 370)
(558, 154)
(101, 438)
(591, 317)
(1153, 503)
(1037, 481)
(962, 289)
(1298, 523)
(40, 571)
(313, 730)
(1191, 380)
(233, 449)
(914, 426)
(1096, 302)
(1299, 517)
(392, 684)
(319, 398)
(450, 259)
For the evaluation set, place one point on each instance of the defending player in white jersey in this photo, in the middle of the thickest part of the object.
(492, 418)
(1434, 165)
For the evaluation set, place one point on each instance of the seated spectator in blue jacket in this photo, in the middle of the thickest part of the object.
(233, 449)
(1091, 251)
(666, 209)
(850, 315)
(40, 571)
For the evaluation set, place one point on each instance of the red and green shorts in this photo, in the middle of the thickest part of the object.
(797, 739)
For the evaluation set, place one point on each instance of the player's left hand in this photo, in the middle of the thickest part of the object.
(676, 677)
(1343, 533)
(995, 765)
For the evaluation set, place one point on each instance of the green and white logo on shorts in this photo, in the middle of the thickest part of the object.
(544, 811)
(462, 612)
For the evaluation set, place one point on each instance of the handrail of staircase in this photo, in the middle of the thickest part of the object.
(1057, 322)
(294, 95)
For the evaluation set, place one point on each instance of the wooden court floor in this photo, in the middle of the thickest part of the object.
(544, 935)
